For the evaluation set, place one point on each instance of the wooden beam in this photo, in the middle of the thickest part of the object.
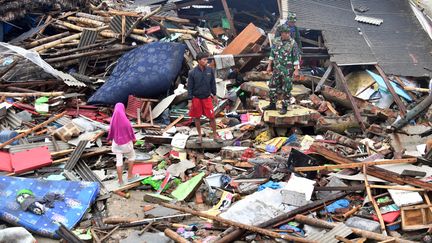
(229, 17)
(47, 39)
(232, 236)
(397, 99)
(309, 41)
(173, 123)
(236, 224)
(174, 236)
(327, 225)
(355, 165)
(374, 203)
(350, 97)
(31, 94)
(324, 78)
(373, 170)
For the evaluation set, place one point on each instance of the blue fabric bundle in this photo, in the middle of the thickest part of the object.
(146, 71)
(78, 196)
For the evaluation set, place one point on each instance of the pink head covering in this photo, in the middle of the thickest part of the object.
(120, 128)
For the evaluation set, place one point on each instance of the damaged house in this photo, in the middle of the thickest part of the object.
(350, 160)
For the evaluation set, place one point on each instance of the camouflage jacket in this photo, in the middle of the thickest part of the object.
(285, 54)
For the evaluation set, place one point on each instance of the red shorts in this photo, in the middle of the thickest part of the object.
(202, 107)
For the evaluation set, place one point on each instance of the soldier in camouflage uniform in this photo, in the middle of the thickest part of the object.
(284, 57)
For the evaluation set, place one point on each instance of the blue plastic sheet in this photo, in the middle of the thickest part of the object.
(146, 71)
(78, 197)
(341, 203)
(269, 184)
(383, 86)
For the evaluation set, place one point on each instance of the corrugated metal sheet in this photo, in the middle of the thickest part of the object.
(88, 37)
(399, 45)
(329, 237)
(116, 23)
(50, 145)
(11, 120)
(368, 20)
(63, 120)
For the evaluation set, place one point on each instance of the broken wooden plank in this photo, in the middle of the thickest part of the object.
(350, 97)
(373, 170)
(364, 233)
(355, 165)
(234, 234)
(374, 203)
(236, 224)
(173, 123)
(396, 97)
(229, 17)
(324, 78)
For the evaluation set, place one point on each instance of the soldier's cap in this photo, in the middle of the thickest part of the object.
(283, 28)
(292, 17)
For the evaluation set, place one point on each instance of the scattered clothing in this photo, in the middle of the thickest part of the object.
(224, 61)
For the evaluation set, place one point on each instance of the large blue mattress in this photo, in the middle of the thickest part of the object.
(78, 197)
(146, 71)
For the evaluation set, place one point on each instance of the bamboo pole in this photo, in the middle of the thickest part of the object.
(355, 165)
(103, 29)
(141, 38)
(374, 203)
(62, 153)
(416, 89)
(174, 236)
(76, 50)
(86, 21)
(401, 188)
(12, 94)
(364, 233)
(94, 17)
(236, 224)
(47, 39)
(56, 42)
(183, 31)
(54, 118)
(91, 53)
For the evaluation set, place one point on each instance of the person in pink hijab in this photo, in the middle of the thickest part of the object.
(123, 139)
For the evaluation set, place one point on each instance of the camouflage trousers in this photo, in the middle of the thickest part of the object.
(280, 84)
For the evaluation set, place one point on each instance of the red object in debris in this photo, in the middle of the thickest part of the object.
(389, 217)
(247, 154)
(153, 29)
(143, 169)
(5, 162)
(199, 197)
(30, 159)
(133, 104)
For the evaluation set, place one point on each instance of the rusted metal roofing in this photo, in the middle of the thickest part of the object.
(399, 45)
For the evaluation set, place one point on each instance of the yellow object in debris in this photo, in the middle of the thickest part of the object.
(306, 142)
(223, 203)
(359, 81)
(263, 137)
(273, 145)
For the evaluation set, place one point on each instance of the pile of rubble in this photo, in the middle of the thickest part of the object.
(349, 162)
